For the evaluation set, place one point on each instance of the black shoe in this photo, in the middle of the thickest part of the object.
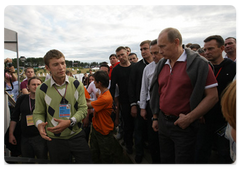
(129, 150)
(138, 159)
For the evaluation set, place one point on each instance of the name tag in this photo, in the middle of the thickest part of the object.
(64, 110)
(29, 119)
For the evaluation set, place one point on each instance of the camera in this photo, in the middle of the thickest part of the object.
(9, 65)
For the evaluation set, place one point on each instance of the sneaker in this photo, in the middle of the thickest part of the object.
(138, 159)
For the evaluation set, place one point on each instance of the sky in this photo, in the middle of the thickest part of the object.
(90, 33)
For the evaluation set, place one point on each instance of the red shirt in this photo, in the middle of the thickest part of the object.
(111, 68)
(24, 84)
(175, 88)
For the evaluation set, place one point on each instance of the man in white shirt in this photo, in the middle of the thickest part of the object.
(144, 101)
(95, 92)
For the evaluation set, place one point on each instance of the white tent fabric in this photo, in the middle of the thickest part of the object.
(11, 43)
(10, 40)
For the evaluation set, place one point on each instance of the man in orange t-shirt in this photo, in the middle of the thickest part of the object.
(102, 131)
(87, 96)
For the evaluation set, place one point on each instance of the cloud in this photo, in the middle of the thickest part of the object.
(92, 33)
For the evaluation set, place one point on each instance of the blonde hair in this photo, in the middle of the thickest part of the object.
(228, 103)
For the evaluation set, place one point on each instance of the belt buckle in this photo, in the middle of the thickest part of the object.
(166, 117)
(170, 117)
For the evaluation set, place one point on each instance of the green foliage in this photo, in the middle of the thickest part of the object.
(35, 62)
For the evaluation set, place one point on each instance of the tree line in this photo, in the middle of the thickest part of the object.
(36, 62)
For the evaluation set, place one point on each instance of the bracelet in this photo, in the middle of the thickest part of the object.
(154, 119)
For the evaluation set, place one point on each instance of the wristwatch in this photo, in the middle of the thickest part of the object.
(154, 118)
(72, 122)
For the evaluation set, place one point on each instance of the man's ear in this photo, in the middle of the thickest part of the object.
(47, 68)
(177, 41)
(222, 47)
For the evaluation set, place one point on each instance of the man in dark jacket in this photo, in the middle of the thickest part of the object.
(134, 90)
(211, 134)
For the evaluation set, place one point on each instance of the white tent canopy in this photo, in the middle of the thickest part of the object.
(10, 40)
(11, 43)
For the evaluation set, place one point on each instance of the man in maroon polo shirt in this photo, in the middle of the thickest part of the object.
(29, 72)
(183, 89)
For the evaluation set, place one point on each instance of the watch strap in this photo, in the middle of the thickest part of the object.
(153, 119)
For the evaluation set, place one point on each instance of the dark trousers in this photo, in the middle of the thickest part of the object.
(209, 140)
(128, 124)
(102, 148)
(60, 150)
(34, 146)
(140, 133)
(153, 141)
(88, 128)
(176, 145)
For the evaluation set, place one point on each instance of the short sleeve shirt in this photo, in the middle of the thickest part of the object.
(87, 96)
(175, 87)
(102, 121)
(24, 84)
(93, 91)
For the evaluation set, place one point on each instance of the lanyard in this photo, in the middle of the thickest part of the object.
(218, 72)
(60, 93)
(30, 105)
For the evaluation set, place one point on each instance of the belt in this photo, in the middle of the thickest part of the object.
(170, 117)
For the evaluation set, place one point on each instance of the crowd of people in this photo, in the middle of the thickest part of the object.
(178, 101)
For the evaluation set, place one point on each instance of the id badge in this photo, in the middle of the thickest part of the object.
(29, 119)
(64, 110)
